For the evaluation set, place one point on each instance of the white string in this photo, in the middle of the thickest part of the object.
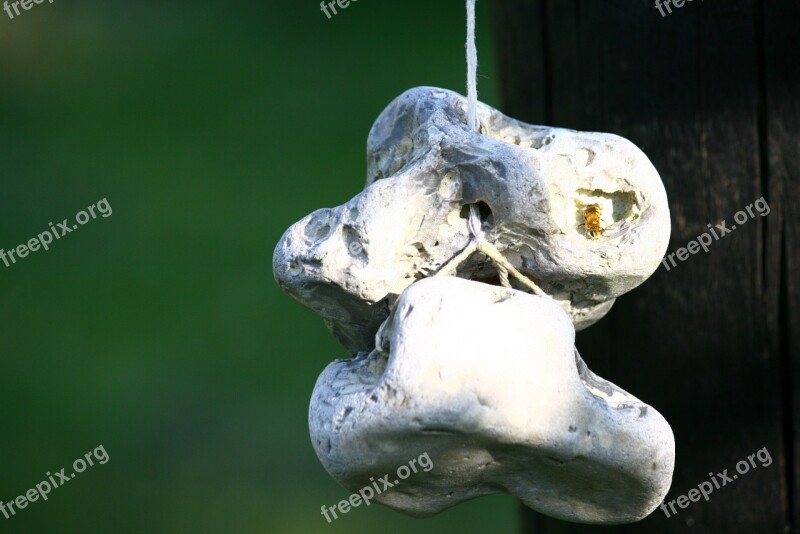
(502, 274)
(478, 242)
(472, 69)
(474, 222)
(472, 99)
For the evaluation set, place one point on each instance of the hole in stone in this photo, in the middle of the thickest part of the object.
(317, 232)
(484, 210)
(614, 207)
(353, 244)
(490, 280)
(344, 415)
(535, 137)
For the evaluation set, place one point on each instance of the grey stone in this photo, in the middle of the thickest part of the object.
(487, 382)
(532, 184)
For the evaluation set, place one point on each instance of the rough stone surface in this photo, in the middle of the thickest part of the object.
(487, 381)
(532, 183)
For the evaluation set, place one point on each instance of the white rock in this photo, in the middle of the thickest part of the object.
(350, 263)
(487, 381)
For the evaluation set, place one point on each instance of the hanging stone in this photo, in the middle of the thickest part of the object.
(487, 382)
(408, 275)
(532, 184)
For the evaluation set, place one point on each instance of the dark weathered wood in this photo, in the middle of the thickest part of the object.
(780, 20)
(710, 92)
(518, 27)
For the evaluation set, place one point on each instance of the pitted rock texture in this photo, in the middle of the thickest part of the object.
(487, 381)
(532, 184)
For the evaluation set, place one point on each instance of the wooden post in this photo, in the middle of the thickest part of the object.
(711, 93)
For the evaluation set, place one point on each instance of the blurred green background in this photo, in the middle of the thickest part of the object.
(160, 332)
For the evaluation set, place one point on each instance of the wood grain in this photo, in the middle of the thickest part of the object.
(711, 93)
